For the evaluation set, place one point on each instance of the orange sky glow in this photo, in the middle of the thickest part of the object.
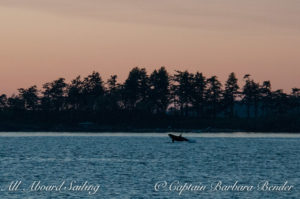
(43, 40)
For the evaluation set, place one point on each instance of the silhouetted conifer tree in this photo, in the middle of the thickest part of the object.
(231, 93)
(214, 94)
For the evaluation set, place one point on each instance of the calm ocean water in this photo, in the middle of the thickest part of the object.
(148, 166)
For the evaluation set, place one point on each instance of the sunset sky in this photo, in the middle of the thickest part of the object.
(41, 40)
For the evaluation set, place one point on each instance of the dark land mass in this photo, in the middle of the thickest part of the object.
(163, 124)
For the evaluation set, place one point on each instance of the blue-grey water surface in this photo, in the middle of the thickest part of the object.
(129, 165)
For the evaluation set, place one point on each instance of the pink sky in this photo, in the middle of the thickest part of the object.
(43, 40)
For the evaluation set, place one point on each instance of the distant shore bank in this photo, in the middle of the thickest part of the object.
(94, 128)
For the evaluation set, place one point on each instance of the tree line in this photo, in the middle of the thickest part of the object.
(181, 100)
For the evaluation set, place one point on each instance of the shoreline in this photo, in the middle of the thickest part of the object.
(142, 131)
(90, 127)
